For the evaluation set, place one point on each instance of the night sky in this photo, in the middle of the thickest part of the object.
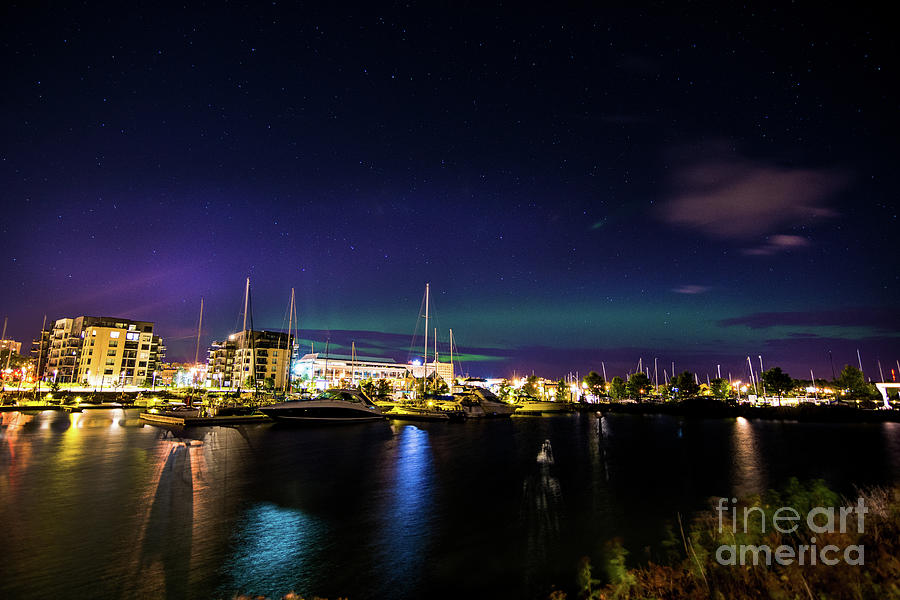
(578, 184)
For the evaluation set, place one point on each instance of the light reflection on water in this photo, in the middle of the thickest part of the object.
(408, 507)
(749, 474)
(95, 505)
(274, 549)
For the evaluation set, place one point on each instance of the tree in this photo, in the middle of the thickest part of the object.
(638, 385)
(439, 386)
(16, 360)
(384, 388)
(854, 383)
(562, 391)
(617, 388)
(505, 390)
(776, 381)
(531, 386)
(720, 388)
(595, 384)
(368, 388)
(684, 385)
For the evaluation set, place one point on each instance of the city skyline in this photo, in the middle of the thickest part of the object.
(582, 186)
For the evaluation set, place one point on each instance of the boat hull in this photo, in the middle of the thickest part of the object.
(406, 414)
(539, 408)
(305, 411)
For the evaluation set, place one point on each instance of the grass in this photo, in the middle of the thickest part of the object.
(693, 571)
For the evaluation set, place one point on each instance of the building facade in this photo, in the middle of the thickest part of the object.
(40, 352)
(249, 359)
(13, 345)
(103, 351)
(332, 369)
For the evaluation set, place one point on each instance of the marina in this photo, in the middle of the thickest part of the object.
(415, 301)
(258, 508)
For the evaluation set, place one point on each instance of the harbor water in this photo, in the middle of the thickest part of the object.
(99, 505)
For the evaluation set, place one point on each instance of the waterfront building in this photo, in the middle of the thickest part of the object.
(181, 375)
(331, 369)
(13, 345)
(233, 362)
(103, 351)
(444, 370)
(40, 352)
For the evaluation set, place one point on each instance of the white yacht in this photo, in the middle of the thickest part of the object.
(529, 405)
(479, 403)
(332, 406)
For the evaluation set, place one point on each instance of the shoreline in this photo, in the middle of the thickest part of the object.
(717, 409)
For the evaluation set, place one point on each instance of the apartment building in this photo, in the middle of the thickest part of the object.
(233, 362)
(103, 351)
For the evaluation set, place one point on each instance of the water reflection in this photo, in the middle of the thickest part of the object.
(414, 512)
(748, 476)
(542, 506)
(409, 510)
(167, 515)
(274, 548)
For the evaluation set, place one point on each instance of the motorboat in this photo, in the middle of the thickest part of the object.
(386, 404)
(412, 411)
(479, 403)
(331, 406)
(529, 405)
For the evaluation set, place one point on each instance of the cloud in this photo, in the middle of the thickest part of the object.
(877, 318)
(777, 243)
(691, 289)
(724, 195)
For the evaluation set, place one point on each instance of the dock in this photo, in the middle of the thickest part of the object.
(166, 420)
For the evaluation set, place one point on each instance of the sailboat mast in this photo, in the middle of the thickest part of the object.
(451, 359)
(240, 379)
(425, 359)
(40, 356)
(246, 302)
(199, 328)
(9, 349)
(290, 344)
(352, 362)
(325, 372)
(252, 343)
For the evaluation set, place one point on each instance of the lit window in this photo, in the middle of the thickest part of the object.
(94, 332)
(114, 334)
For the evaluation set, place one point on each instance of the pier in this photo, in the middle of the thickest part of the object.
(167, 420)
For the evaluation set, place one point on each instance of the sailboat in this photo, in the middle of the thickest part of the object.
(475, 402)
(424, 410)
(331, 406)
(227, 408)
